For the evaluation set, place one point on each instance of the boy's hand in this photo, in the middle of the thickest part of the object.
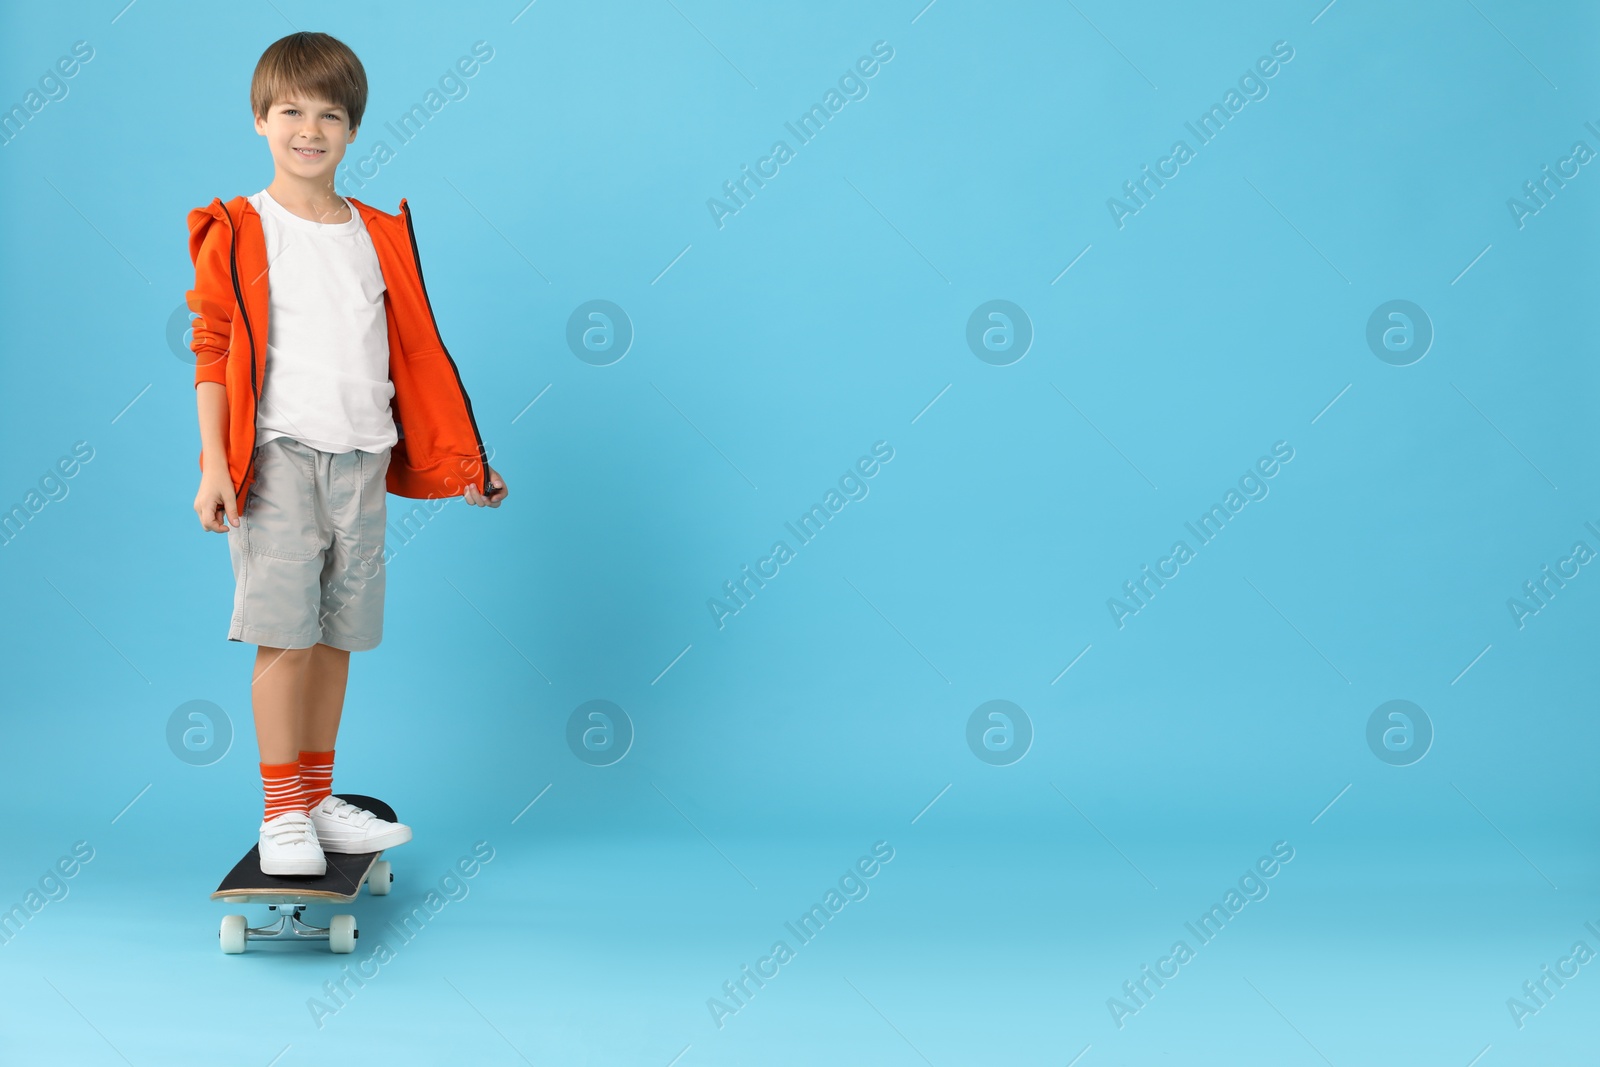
(498, 489)
(216, 496)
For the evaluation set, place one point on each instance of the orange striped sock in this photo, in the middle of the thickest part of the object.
(316, 777)
(281, 784)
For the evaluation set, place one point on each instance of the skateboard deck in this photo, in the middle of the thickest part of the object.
(341, 882)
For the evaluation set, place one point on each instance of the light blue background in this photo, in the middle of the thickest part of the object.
(827, 715)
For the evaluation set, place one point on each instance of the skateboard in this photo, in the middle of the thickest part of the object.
(287, 895)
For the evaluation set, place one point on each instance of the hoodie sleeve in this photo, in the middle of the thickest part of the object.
(212, 296)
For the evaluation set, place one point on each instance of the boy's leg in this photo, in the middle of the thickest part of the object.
(340, 826)
(288, 839)
(276, 694)
(277, 556)
(319, 722)
(326, 675)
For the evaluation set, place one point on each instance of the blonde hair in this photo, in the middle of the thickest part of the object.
(312, 63)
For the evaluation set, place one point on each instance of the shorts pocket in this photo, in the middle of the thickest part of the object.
(280, 518)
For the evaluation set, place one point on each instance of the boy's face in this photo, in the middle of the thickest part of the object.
(307, 137)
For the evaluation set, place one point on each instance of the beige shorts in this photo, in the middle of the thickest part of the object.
(308, 551)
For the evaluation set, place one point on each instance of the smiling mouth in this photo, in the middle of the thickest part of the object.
(309, 153)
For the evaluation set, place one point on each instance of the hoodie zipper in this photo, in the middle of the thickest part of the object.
(483, 456)
(238, 296)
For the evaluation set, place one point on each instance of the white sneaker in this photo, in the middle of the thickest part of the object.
(343, 827)
(289, 846)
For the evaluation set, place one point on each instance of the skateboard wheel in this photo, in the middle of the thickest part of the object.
(342, 933)
(233, 933)
(380, 878)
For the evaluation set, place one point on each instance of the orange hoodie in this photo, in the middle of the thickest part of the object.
(439, 452)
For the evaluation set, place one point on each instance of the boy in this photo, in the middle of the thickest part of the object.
(321, 382)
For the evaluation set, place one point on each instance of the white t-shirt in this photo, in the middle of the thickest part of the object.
(327, 376)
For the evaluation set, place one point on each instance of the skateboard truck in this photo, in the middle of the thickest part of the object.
(290, 926)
